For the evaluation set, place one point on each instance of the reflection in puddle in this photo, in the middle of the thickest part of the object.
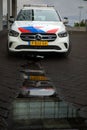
(36, 88)
(51, 112)
(39, 107)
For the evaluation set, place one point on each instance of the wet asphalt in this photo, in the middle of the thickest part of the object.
(69, 75)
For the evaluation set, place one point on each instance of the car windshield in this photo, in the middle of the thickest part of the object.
(38, 15)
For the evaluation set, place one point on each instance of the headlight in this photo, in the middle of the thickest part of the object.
(63, 34)
(13, 33)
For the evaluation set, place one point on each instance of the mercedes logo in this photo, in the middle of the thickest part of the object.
(38, 36)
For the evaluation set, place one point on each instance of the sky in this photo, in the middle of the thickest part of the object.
(66, 8)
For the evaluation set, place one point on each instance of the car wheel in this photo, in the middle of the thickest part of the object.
(9, 53)
(66, 54)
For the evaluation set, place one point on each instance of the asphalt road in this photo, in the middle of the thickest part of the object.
(69, 75)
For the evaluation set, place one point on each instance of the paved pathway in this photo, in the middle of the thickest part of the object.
(68, 75)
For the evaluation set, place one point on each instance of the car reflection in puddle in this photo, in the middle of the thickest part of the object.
(38, 106)
(36, 88)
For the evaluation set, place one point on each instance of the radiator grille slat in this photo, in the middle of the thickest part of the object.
(32, 37)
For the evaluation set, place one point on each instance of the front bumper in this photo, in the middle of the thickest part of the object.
(16, 44)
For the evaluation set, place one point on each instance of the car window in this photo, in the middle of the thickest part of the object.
(37, 15)
(25, 15)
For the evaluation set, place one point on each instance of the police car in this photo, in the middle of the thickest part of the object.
(38, 29)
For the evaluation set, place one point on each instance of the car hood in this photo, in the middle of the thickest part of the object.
(38, 27)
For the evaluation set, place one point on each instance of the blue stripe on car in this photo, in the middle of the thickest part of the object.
(34, 30)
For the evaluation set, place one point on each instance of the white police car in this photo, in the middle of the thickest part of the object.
(38, 29)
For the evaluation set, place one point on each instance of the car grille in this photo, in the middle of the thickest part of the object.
(38, 47)
(33, 36)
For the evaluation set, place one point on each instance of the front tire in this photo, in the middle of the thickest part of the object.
(66, 54)
(9, 53)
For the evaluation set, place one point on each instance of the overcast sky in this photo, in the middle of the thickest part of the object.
(68, 8)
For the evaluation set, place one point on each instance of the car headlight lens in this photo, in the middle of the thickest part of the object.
(63, 34)
(13, 33)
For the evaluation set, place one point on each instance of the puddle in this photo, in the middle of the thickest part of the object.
(38, 106)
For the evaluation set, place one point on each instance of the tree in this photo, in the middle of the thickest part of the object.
(81, 24)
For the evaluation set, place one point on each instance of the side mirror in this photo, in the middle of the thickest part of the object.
(11, 20)
(65, 20)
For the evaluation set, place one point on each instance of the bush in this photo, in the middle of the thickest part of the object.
(81, 24)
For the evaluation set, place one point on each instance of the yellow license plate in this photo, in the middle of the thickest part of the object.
(41, 78)
(39, 43)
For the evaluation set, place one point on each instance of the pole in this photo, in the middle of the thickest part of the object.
(14, 8)
(8, 12)
(1, 15)
(80, 14)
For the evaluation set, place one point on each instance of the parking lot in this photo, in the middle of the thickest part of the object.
(68, 75)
